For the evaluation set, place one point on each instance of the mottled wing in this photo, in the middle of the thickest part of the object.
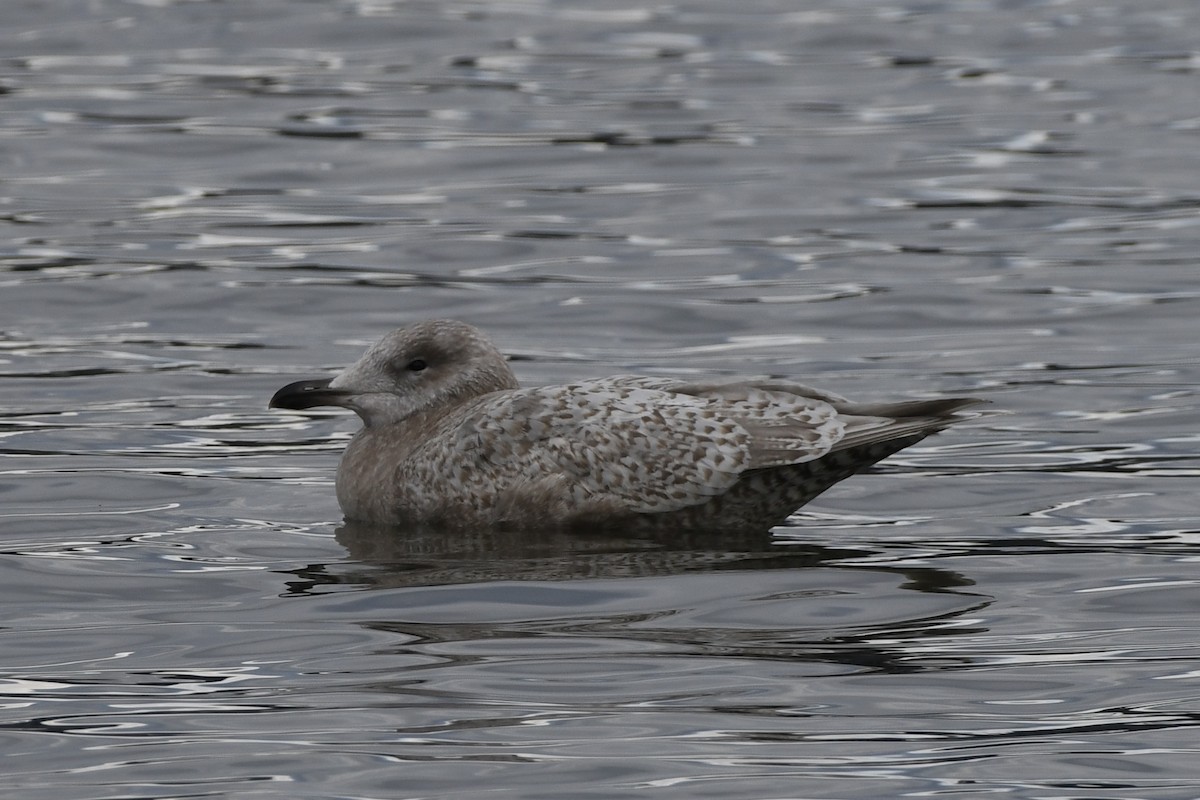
(787, 423)
(791, 423)
(621, 441)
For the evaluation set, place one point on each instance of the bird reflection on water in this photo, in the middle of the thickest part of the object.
(664, 589)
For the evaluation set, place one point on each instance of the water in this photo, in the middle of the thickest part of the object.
(204, 201)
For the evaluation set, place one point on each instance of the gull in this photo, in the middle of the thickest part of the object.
(450, 439)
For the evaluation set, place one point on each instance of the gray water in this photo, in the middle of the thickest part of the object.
(202, 201)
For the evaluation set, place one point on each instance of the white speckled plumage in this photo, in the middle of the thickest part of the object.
(450, 439)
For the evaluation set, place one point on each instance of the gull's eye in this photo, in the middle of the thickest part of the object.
(416, 365)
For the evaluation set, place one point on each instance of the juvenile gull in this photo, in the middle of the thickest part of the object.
(450, 439)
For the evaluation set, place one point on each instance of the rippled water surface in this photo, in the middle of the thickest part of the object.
(202, 201)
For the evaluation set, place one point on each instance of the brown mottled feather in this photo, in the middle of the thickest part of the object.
(451, 440)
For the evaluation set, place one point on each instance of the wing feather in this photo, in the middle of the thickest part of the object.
(655, 444)
(645, 448)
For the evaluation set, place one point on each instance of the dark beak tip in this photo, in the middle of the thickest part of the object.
(302, 394)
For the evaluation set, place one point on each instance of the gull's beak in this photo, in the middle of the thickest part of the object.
(306, 394)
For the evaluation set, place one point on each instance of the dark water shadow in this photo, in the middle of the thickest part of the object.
(694, 594)
(386, 557)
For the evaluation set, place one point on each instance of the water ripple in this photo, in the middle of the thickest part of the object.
(992, 199)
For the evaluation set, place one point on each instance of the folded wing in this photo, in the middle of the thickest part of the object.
(653, 445)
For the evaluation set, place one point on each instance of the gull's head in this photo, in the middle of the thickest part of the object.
(428, 365)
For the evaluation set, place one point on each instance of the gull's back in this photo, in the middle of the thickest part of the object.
(631, 452)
